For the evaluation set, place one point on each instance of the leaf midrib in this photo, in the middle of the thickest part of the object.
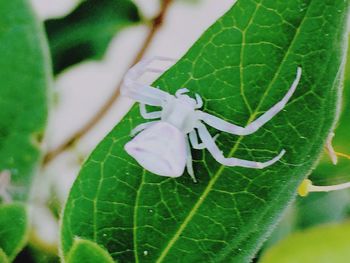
(222, 167)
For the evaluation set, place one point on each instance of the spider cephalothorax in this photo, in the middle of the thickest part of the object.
(162, 146)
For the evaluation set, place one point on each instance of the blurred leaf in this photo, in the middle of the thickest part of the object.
(88, 252)
(13, 229)
(321, 208)
(87, 31)
(315, 209)
(24, 75)
(142, 217)
(322, 244)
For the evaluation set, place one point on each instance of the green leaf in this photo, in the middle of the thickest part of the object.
(24, 75)
(13, 229)
(241, 66)
(88, 252)
(87, 31)
(322, 244)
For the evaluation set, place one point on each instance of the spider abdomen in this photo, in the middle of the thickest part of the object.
(160, 149)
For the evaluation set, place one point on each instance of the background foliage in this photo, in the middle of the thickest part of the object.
(25, 78)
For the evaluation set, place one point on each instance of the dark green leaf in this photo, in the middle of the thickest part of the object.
(86, 32)
(88, 252)
(13, 229)
(241, 67)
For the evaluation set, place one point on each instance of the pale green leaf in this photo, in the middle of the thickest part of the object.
(3, 257)
(323, 244)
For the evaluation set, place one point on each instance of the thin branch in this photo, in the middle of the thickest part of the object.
(155, 26)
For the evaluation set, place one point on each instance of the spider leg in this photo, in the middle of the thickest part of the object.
(194, 141)
(225, 126)
(219, 157)
(189, 164)
(147, 95)
(199, 101)
(141, 127)
(149, 115)
(180, 92)
(141, 92)
(140, 68)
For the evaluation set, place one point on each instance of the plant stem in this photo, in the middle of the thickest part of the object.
(155, 26)
(315, 188)
(343, 155)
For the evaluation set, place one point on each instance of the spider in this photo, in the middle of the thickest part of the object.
(163, 146)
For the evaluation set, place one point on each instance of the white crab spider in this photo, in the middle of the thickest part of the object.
(162, 146)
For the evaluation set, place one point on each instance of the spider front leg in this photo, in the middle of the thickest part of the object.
(141, 67)
(199, 101)
(141, 92)
(219, 157)
(194, 140)
(149, 115)
(225, 126)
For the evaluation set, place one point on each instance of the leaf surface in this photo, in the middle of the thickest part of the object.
(87, 31)
(241, 66)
